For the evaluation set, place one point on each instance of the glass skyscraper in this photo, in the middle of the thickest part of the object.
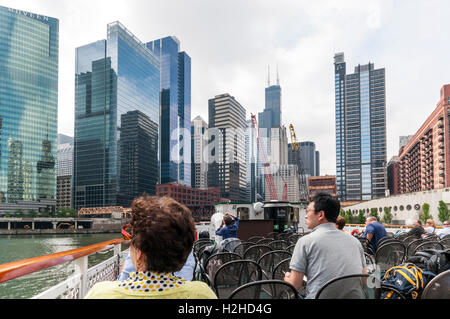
(28, 105)
(117, 116)
(175, 110)
(360, 131)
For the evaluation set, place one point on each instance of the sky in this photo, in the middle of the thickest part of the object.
(232, 43)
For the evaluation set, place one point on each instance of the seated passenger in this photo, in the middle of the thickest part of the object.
(162, 235)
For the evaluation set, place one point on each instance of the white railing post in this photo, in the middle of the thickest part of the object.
(81, 267)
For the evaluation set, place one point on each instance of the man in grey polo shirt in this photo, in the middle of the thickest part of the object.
(326, 253)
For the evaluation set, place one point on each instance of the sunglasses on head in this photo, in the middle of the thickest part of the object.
(126, 235)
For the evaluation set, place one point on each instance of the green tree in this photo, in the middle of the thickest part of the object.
(19, 213)
(374, 213)
(32, 213)
(387, 217)
(443, 214)
(425, 212)
(361, 217)
(348, 217)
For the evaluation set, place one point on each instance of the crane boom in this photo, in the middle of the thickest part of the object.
(295, 144)
(264, 162)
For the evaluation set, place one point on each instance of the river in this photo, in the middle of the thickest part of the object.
(17, 247)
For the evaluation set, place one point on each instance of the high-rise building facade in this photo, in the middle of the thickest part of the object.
(29, 45)
(175, 101)
(309, 158)
(424, 162)
(198, 147)
(226, 147)
(360, 131)
(65, 172)
(117, 116)
(251, 152)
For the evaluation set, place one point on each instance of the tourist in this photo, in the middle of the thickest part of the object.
(445, 229)
(374, 232)
(430, 228)
(326, 253)
(229, 227)
(162, 233)
(417, 230)
(340, 223)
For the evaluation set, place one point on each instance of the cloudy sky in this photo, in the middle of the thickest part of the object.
(232, 42)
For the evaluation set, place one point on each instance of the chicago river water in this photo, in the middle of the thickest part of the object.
(17, 247)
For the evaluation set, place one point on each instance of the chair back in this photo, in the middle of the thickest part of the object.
(234, 274)
(358, 286)
(281, 268)
(278, 244)
(266, 289)
(387, 240)
(290, 248)
(265, 241)
(438, 287)
(256, 251)
(389, 255)
(202, 243)
(429, 245)
(229, 244)
(215, 261)
(294, 238)
(269, 260)
(411, 247)
(255, 239)
(445, 242)
(242, 247)
(409, 239)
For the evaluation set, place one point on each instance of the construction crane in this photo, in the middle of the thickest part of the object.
(264, 162)
(294, 144)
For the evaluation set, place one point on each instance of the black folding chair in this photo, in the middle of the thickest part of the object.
(230, 244)
(256, 251)
(411, 247)
(269, 260)
(255, 239)
(387, 240)
(242, 247)
(438, 287)
(281, 268)
(265, 241)
(429, 245)
(278, 244)
(234, 274)
(294, 238)
(290, 248)
(358, 286)
(389, 255)
(266, 289)
(445, 242)
(215, 261)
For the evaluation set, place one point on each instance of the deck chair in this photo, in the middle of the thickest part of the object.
(265, 289)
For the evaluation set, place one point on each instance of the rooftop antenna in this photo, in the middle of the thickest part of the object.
(278, 78)
(268, 75)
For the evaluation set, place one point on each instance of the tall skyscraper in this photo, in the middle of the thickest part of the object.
(251, 151)
(65, 171)
(360, 131)
(175, 130)
(199, 163)
(29, 45)
(117, 87)
(309, 158)
(226, 147)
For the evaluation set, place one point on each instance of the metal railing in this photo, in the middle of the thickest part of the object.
(77, 285)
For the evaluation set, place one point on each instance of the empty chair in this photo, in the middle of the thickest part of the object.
(202, 243)
(256, 251)
(242, 247)
(265, 289)
(411, 247)
(389, 255)
(255, 239)
(271, 235)
(278, 244)
(438, 287)
(386, 240)
(290, 248)
(284, 236)
(429, 245)
(265, 241)
(234, 274)
(409, 239)
(281, 268)
(269, 260)
(358, 286)
(402, 236)
(294, 238)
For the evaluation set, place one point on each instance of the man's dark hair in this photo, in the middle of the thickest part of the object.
(330, 205)
(204, 234)
(228, 220)
(419, 222)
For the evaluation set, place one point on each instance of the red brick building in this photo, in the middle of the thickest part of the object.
(392, 176)
(199, 201)
(322, 184)
(424, 163)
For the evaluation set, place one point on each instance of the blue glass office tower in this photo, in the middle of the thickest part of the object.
(28, 105)
(360, 131)
(175, 110)
(116, 120)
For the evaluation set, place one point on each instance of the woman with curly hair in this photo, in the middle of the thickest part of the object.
(162, 233)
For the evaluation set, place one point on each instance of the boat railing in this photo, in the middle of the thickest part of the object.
(77, 285)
